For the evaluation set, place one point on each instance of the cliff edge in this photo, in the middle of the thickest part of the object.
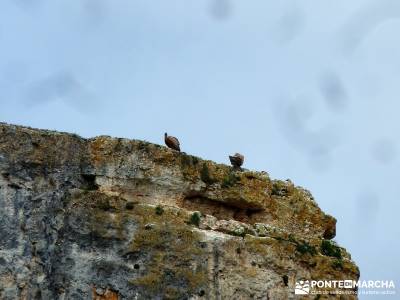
(112, 218)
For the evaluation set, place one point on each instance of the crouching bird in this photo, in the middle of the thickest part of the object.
(236, 160)
(172, 142)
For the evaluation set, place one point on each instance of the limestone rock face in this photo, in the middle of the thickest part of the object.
(111, 218)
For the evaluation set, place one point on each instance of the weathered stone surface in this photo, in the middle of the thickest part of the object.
(110, 218)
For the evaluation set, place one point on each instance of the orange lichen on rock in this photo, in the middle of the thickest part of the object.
(100, 294)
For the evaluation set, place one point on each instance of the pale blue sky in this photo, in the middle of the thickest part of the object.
(307, 90)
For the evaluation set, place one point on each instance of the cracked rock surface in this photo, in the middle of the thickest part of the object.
(111, 218)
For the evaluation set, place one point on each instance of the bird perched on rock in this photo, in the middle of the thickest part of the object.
(236, 160)
(172, 142)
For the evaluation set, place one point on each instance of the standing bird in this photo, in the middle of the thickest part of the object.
(236, 160)
(172, 142)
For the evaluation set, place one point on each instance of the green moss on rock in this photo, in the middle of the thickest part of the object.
(230, 180)
(195, 218)
(328, 248)
(306, 248)
(337, 264)
(281, 188)
(159, 210)
(205, 175)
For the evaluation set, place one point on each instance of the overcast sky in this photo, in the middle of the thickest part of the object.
(306, 90)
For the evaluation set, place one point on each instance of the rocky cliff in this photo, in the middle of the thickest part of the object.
(111, 218)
